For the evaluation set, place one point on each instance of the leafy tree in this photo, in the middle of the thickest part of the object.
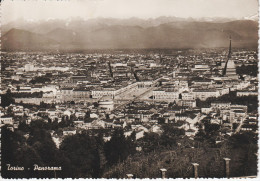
(200, 135)
(170, 135)
(161, 120)
(8, 145)
(248, 70)
(9, 112)
(7, 99)
(211, 130)
(82, 150)
(100, 159)
(87, 115)
(170, 130)
(27, 156)
(95, 104)
(39, 124)
(43, 105)
(241, 140)
(55, 124)
(40, 80)
(15, 151)
(150, 142)
(23, 127)
(243, 147)
(118, 148)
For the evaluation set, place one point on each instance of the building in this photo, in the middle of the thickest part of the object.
(220, 105)
(186, 95)
(106, 103)
(230, 67)
(231, 70)
(29, 67)
(81, 93)
(66, 94)
(203, 94)
(247, 93)
(201, 68)
(7, 120)
(103, 92)
(188, 103)
(161, 94)
(78, 78)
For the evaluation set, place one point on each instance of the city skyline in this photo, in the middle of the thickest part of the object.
(88, 91)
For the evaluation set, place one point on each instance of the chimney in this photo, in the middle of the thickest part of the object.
(195, 169)
(227, 166)
(163, 172)
(129, 176)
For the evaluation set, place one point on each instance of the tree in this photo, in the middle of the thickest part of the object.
(38, 149)
(161, 120)
(200, 135)
(87, 115)
(95, 104)
(243, 139)
(100, 159)
(15, 151)
(243, 147)
(9, 112)
(208, 135)
(39, 124)
(43, 105)
(83, 152)
(7, 99)
(118, 148)
(40, 80)
(211, 130)
(23, 127)
(170, 135)
(171, 104)
(150, 142)
(248, 70)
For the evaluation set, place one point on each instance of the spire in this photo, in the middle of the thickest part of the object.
(229, 52)
(229, 56)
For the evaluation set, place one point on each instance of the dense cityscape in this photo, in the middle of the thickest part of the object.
(129, 89)
(112, 113)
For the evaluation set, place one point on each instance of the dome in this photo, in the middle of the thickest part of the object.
(231, 64)
(105, 102)
(106, 98)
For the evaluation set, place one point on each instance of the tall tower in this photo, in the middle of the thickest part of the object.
(229, 52)
(229, 56)
(230, 67)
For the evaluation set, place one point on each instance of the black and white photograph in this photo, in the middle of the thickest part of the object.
(129, 89)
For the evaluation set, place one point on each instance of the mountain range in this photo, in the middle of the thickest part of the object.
(108, 33)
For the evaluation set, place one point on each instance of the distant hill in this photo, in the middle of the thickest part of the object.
(45, 26)
(113, 35)
(62, 35)
(17, 39)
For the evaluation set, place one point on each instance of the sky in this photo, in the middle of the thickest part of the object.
(88, 9)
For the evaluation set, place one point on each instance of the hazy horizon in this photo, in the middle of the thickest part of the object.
(126, 9)
(183, 24)
(133, 17)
